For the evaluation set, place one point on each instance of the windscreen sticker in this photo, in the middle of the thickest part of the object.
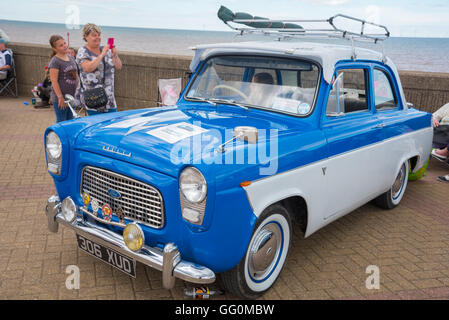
(284, 104)
(176, 132)
(291, 105)
(304, 108)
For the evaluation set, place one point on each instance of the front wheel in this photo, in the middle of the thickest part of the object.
(265, 256)
(392, 197)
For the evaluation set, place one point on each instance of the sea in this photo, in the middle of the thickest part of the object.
(413, 54)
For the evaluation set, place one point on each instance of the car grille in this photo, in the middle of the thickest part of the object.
(140, 202)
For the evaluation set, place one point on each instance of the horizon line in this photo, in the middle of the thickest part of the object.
(109, 26)
(203, 30)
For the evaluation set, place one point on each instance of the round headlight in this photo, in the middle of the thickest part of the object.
(54, 146)
(68, 209)
(193, 185)
(133, 237)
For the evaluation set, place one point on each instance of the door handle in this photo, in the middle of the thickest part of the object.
(379, 126)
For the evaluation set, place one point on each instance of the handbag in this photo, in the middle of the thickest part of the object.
(441, 134)
(95, 98)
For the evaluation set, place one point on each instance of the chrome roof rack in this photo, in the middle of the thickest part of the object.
(290, 28)
(334, 32)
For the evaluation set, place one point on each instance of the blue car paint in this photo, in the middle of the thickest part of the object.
(232, 219)
(222, 240)
(359, 129)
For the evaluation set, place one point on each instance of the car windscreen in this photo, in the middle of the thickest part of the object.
(278, 84)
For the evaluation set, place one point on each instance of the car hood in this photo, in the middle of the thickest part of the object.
(166, 139)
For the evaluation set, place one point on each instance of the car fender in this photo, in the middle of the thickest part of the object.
(305, 182)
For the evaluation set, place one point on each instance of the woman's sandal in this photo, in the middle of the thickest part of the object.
(438, 156)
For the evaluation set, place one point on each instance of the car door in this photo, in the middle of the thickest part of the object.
(352, 130)
(394, 120)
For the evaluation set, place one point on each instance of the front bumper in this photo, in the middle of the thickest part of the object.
(167, 260)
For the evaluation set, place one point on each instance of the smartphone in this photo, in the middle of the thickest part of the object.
(111, 42)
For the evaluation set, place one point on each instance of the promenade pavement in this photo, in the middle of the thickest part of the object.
(409, 245)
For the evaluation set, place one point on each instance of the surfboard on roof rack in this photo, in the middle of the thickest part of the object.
(290, 28)
(227, 15)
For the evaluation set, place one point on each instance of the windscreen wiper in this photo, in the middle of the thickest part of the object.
(231, 102)
(204, 100)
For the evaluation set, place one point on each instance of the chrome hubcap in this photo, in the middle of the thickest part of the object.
(264, 251)
(397, 185)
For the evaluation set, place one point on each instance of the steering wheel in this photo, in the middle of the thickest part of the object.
(223, 86)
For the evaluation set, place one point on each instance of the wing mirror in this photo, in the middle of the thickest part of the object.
(245, 133)
(69, 99)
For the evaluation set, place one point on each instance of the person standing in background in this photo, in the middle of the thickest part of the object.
(72, 52)
(97, 68)
(63, 76)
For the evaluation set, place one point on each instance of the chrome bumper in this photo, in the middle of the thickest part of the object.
(167, 260)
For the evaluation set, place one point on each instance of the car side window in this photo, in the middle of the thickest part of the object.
(384, 97)
(348, 93)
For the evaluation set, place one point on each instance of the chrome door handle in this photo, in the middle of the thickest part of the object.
(379, 126)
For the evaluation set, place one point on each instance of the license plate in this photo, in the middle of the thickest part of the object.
(111, 257)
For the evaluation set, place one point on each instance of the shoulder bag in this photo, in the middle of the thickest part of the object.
(95, 98)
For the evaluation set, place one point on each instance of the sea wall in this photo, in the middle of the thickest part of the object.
(136, 83)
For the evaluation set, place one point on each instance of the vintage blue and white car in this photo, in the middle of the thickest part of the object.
(264, 134)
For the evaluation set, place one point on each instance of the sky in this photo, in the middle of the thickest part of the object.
(403, 18)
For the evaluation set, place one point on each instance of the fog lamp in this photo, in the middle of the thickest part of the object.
(68, 209)
(133, 237)
(191, 215)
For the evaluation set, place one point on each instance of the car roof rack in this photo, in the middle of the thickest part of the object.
(290, 29)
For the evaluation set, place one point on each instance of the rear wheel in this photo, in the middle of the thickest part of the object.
(265, 256)
(392, 197)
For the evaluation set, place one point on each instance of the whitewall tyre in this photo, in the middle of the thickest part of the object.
(265, 257)
(393, 197)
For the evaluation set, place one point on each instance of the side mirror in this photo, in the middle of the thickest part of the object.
(244, 133)
(70, 99)
(248, 134)
(410, 105)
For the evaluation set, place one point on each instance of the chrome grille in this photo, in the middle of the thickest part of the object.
(140, 202)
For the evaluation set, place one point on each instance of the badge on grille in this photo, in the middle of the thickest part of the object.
(107, 212)
(114, 193)
(95, 206)
(120, 214)
(86, 199)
